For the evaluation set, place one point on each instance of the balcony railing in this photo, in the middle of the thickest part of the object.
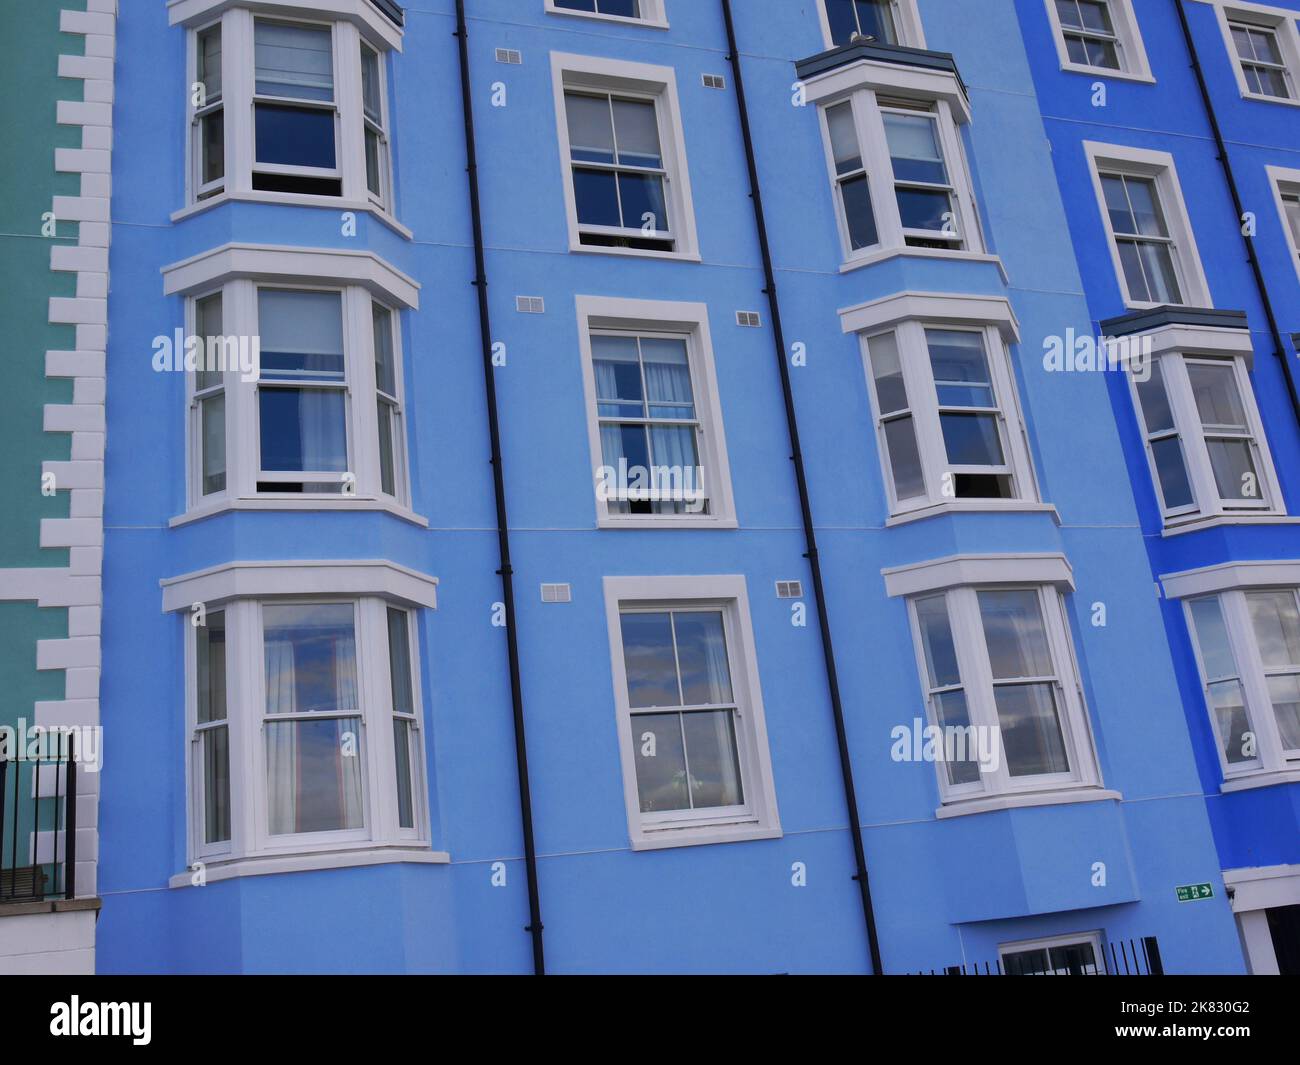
(38, 829)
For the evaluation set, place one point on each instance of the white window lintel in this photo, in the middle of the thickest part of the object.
(261, 580)
(938, 307)
(973, 570)
(377, 28)
(1226, 576)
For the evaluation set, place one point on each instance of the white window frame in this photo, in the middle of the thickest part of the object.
(653, 14)
(977, 682)
(360, 278)
(1286, 185)
(238, 94)
(1134, 65)
(633, 80)
(1093, 939)
(758, 819)
(1160, 167)
(1207, 504)
(1272, 762)
(908, 316)
(241, 590)
(1282, 22)
(690, 322)
(907, 23)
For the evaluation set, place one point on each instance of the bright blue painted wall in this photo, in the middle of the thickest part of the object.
(945, 891)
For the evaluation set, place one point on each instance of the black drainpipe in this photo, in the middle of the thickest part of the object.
(810, 535)
(503, 523)
(1279, 345)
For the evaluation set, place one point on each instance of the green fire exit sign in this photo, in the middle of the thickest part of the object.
(1194, 892)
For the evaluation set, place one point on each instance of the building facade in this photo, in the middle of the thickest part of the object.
(465, 609)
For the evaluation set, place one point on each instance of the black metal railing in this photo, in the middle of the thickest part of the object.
(1118, 957)
(38, 828)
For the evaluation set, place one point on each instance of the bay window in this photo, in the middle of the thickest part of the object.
(998, 674)
(305, 719)
(695, 757)
(1204, 441)
(295, 380)
(948, 421)
(290, 108)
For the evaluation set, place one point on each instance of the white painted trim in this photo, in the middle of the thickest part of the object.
(374, 26)
(871, 256)
(1282, 21)
(939, 308)
(1263, 886)
(889, 79)
(659, 83)
(259, 580)
(1142, 162)
(1066, 796)
(291, 199)
(1286, 182)
(1132, 51)
(691, 320)
(268, 865)
(1209, 580)
(653, 15)
(972, 506)
(269, 262)
(759, 819)
(1187, 340)
(959, 570)
(322, 505)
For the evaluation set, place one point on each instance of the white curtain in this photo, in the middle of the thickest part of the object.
(281, 739)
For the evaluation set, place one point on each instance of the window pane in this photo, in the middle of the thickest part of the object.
(1171, 469)
(591, 132)
(596, 193)
(642, 196)
(381, 319)
(213, 431)
(1156, 412)
(617, 364)
(1162, 279)
(213, 145)
(1292, 204)
(211, 646)
(714, 763)
(399, 661)
(1146, 208)
(961, 369)
(387, 467)
(673, 447)
(887, 373)
(702, 657)
(301, 334)
(972, 439)
(370, 95)
(294, 61)
(926, 209)
(904, 459)
(649, 660)
(1234, 470)
(1284, 693)
(871, 18)
(1217, 397)
(914, 149)
(1277, 627)
(859, 214)
(667, 378)
(1101, 54)
(1135, 278)
(1117, 205)
(216, 785)
(844, 138)
(660, 761)
(295, 136)
(207, 324)
(374, 168)
(1031, 730)
(402, 754)
(937, 642)
(964, 768)
(210, 63)
(1212, 638)
(636, 132)
(313, 775)
(1229, 708)
(1016, 636)
(303, 429)
(311, 658)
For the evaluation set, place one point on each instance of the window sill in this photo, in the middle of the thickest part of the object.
(654, 24)
(1285, 101)
(1107, 72)
(702, 835)
(270, 864)
(671, 521)
(289, 199)
(1260, 779)
(880, 255)
(1012, 506)
(996, 803)
(326, 503)
(1217, 520)
(637, 253)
